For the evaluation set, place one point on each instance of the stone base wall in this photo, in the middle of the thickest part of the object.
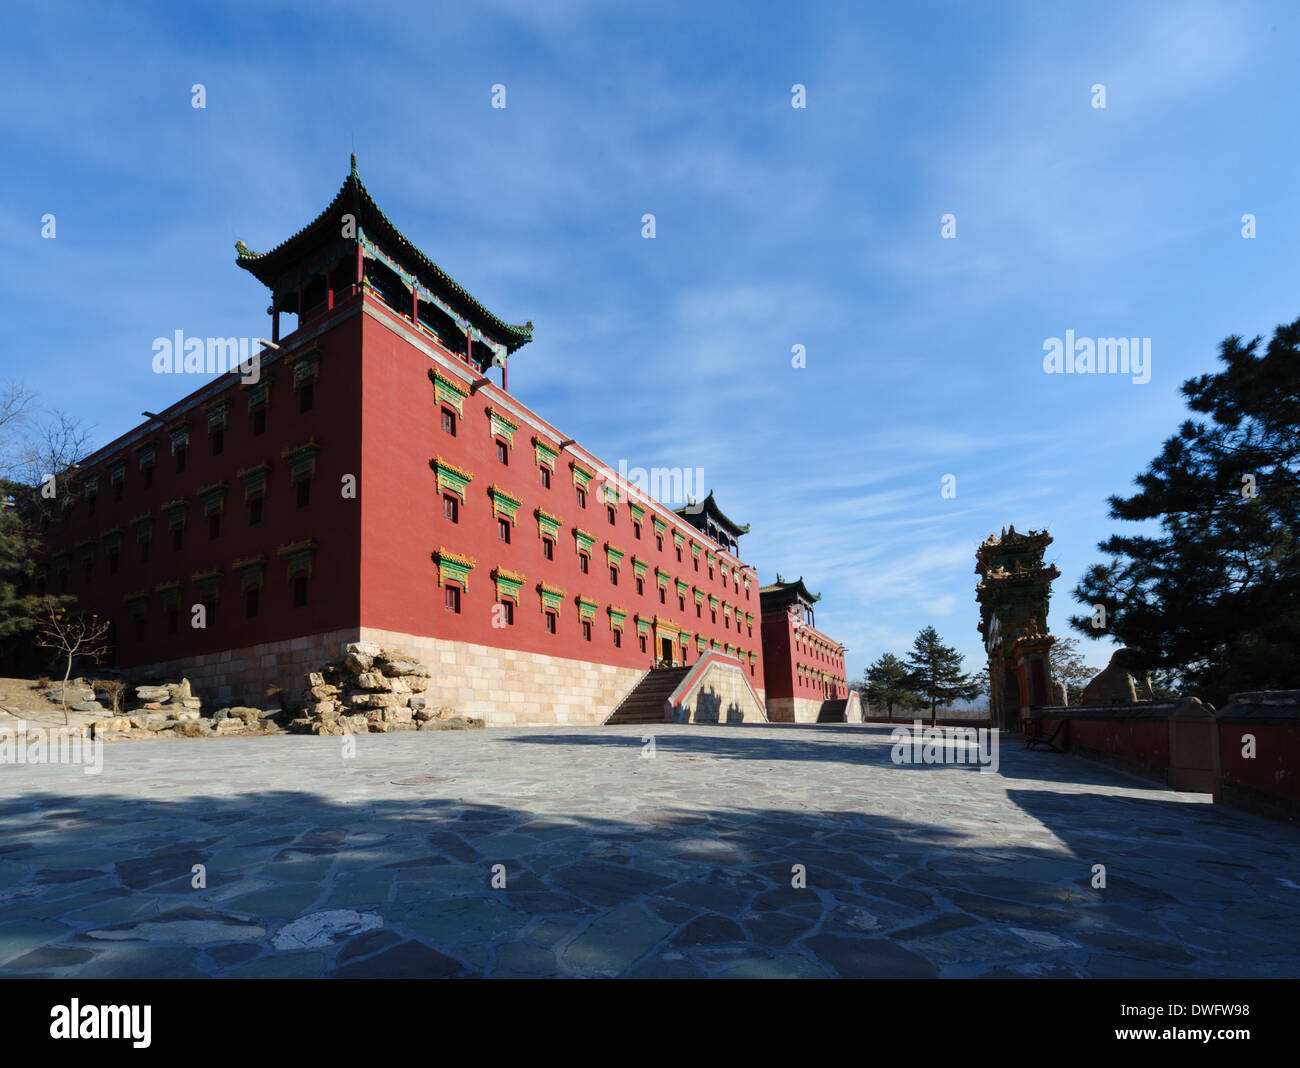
(241, 676)
(793, 710)
(780, 709)
(720, 695)
(807, 710)
(504, 687)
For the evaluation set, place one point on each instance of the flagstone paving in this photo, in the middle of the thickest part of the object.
(566, 851)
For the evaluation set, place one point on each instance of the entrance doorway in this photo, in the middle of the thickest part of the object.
(666, 650)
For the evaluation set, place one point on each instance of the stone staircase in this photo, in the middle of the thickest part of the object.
(644, 703)
(833, 711)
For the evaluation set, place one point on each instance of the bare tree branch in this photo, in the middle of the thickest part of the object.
(72, 634)
(17, 405)
(58, 442)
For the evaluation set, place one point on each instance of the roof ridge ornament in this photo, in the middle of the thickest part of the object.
(382, 240)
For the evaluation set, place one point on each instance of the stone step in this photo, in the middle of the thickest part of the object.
(833, 711)
(645, 703)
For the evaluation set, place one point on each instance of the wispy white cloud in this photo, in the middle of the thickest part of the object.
(776, 227)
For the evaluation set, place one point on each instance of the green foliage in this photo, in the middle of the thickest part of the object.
(17, 550)
(888, 686)
(1214, 594)
(935, 672)
(1165, 684)
(35, 443)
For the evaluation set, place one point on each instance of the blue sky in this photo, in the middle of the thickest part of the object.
(775, 227)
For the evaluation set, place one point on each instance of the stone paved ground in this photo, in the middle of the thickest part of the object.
(618, 865)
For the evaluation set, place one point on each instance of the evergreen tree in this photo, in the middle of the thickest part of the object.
(17, 548)
(936, 672)
(1214, 594)
(888, 685)
(35, 443)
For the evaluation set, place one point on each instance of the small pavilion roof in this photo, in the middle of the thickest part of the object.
(353, 198)
(781, 592)
(696, 513)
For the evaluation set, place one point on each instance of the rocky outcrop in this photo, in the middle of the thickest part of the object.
(372, 690)
(160, 709)
(180, 722)
(168, 696)
(172, 710)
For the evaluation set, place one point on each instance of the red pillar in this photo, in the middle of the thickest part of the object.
(360, 270)
(469, 349)
(1022, 675)
(505, 382)
(415, 305)
(329, 288)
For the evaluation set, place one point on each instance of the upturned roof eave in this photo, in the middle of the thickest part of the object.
(710, 507)
(266, 266)
(796, 587)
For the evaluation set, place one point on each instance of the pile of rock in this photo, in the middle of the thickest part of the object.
(168, 706)
(164, 697)
(241, 719)
(81, 696)
(372, 691)
(171, 710)
(149, 725)
(168, 696)
(186, 723)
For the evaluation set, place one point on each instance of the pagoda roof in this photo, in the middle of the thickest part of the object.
(782, 592)
(1000, 577)
(1011, 541)
(695, 512)
(354, 198)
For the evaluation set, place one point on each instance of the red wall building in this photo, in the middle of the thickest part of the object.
(803, 669)
(373, 483)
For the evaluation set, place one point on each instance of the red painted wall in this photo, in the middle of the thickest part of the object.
(1137, 741)
(333, 596)
(403, 524)
(784, 651)
(778, 663)
(374, 415)
(1274, 769)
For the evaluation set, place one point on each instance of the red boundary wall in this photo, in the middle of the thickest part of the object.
(1256, 744)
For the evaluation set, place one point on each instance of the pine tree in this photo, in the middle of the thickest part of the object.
(888, 685)
(16, 551)
(35, 443)
(1214, 594)
(936, 672)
